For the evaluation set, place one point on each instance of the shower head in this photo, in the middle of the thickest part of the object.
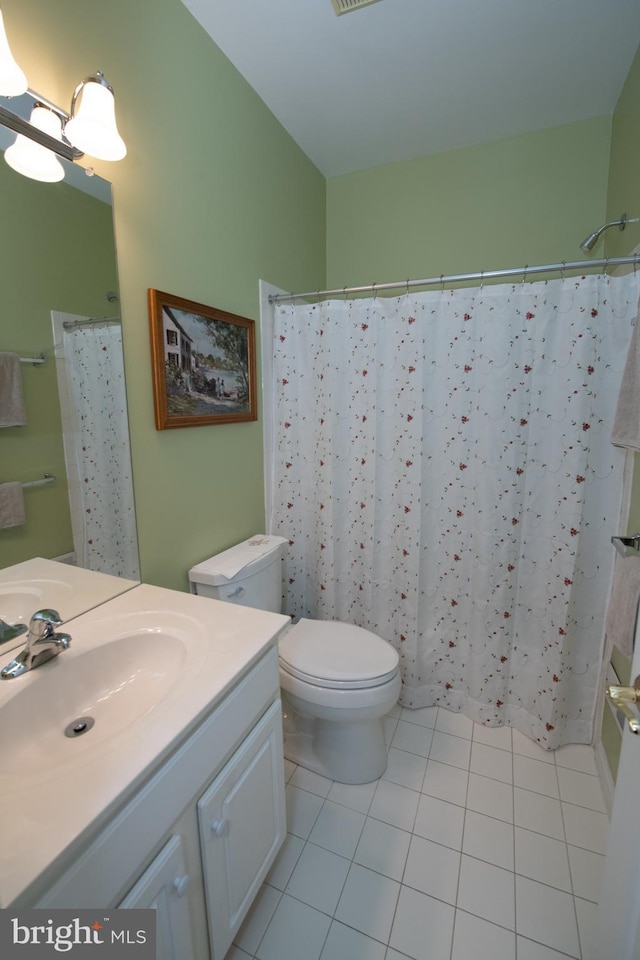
(589, 242)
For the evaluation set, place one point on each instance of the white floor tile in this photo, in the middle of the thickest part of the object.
(432, 869)
(586, 872)
(528, 950)
(337, 828)
(312, 782)
(358, 796)
(257, 920)
(368, 903)
(302, 811)
(577, 756)
(383, 848)
(425, 716)
(446, 782)
(491, 797)
(586, 915)
(586, 828)
(528, 748)
(449, 749)
(487, 892)
(235, 953)
(318, 878)
(542, 858)
(423, 927)
(535, 775)
(344, 943)
(394, 804)
(582, 789)
(488, 839)
(404, 768)
(546, 915)
(285, 862)
(455, 723)
(491, 762)
(413, 738)
(478, 939)
(296, 932)
(533, 811)
(440, 821)
(493, 736)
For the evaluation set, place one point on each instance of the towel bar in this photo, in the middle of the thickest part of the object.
(34, 360)
(48, 478)
(621, 543)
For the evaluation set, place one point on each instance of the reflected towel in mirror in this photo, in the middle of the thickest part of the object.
(11, 505)
(13, 412)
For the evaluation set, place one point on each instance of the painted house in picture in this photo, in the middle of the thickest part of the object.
(177, 346)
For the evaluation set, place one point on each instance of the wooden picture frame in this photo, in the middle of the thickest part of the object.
(203, 362)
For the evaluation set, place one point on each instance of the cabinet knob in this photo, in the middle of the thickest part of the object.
(220, 827)
(180, 884)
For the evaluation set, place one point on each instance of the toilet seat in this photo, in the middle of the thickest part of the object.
(336, 655)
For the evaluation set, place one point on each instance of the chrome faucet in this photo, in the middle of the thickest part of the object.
(43, 643)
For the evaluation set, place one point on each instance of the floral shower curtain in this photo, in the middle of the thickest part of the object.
(99, 462)
(442, 467)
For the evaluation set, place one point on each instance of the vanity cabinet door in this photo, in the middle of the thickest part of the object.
(163, 887)
(242, 826)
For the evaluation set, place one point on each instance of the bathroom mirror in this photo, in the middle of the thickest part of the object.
(58, 263)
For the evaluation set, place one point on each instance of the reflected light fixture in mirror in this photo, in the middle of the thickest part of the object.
(13, 82)
(30, 158)
(89, 128)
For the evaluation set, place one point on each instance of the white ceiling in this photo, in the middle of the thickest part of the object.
(403, 78)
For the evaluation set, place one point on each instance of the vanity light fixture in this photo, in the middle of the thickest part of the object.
(29, 158)
(89, 127)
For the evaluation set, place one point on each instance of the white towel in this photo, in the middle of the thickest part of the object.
(11, 505)
(232, 561)
(623, 604)
(12, 409)
(626, 426)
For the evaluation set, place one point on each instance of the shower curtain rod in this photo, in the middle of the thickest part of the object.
(523, 272)
(70, 324)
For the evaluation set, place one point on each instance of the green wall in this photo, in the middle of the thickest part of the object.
(212, 196)
(56, 253)
(524, 200)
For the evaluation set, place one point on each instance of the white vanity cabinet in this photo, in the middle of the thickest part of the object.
(196, 840)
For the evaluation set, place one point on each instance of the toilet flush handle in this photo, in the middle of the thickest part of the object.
(238, 592)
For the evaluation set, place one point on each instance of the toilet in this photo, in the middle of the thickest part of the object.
(337, 680)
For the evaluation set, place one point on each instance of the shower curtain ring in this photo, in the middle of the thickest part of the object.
(564, 264)
(442, 283)
(524, 273)
(481, 279)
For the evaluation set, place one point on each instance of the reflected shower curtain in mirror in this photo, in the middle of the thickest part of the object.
(442, 468)
(99, 463)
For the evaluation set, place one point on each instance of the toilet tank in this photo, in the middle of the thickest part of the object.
(249, 574)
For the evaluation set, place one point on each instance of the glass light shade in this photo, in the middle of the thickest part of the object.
(30, 158)
(13, 82)
(93, 127)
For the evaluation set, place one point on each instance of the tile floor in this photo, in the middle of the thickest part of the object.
(474, 843)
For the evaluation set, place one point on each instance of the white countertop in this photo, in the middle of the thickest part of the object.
(46, 807)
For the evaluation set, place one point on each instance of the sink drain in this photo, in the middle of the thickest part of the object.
(79, 726)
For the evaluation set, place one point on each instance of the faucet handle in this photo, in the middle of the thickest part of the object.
(43, 624)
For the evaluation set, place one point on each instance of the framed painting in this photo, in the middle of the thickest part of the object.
(204, 363)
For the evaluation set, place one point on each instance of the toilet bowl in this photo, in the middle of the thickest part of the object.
(337, 680)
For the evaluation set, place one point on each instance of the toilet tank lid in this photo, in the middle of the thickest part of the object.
(240, 561)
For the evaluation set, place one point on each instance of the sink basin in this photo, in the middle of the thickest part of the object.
(113, 685)
(21, 598)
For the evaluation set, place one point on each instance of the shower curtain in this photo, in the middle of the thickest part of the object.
(441, 465)
(97, 450)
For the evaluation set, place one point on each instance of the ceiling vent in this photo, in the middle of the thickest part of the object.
(346, 6)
